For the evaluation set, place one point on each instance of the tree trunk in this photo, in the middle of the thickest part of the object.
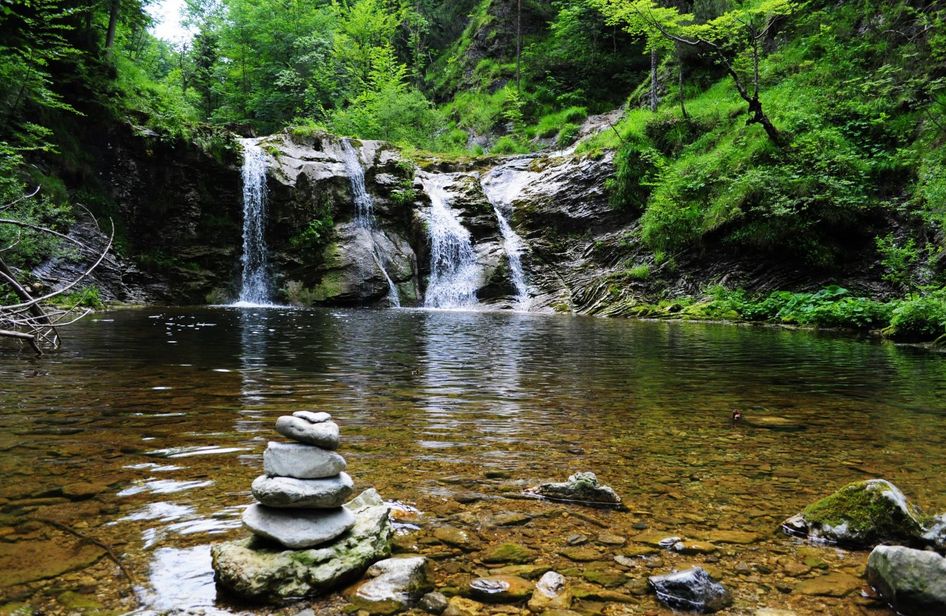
(756, 116)
(518, 40)
(112, 23)
(653, 81)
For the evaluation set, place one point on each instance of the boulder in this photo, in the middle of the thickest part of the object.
(323, 434)
(396, 585)
(286, 492)
(298, 529)
(580, 487)
(301, 461)
(913, 581)
(691, 590)
(256, 570)
(863, 513)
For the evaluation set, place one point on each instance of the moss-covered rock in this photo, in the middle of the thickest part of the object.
(259, 570)
(863, 513)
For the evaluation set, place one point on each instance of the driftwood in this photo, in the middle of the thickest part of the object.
(32, 319)
(108, 549)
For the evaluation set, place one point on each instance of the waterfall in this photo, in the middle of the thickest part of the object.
(501, 189)
(364, 216)
(255, 287)
(454, 275)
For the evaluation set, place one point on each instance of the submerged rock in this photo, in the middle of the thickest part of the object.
(433, 603)
(501, 589)
(580, 487)
(913, 581)
(551, 593)
(323, 434)
(396, 585)
(286, 492)
(298, 529)
(301, 461)
(509, 553)
(862, 513)
(257, 570)
(691, 591)
(935, 533)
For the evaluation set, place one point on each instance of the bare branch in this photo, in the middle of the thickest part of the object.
(21, 199)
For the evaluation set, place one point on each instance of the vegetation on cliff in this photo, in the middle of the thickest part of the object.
(797, 132)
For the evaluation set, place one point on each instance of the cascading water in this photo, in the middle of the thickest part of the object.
(255, 287)
(364, 216)
(454, 274)
(501, 186)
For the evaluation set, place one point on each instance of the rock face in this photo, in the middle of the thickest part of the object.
(396, 585)
(580, 487)
(298, 529)
(259, 570)
(860, 514)
(691, 591)
(913, 581)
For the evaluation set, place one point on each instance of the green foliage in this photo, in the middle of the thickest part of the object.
(311, 240)
(87, 297)
(508, 145)
(299, 295)
(639, 272)
(567, 135)
(919, 318)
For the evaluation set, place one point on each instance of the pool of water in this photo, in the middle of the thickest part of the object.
(143, 435)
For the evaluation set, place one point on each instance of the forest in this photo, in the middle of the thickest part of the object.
(799, 131)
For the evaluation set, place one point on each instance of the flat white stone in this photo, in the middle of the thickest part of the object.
(301, 461)
(303, 493)
(324, 435)
(312, 416)
(298, 529)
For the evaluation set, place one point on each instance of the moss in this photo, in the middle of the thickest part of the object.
(865, 511)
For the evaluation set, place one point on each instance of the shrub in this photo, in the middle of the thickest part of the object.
(567, 135)
(920, 318)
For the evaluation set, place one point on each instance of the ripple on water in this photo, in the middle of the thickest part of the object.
(163, 486)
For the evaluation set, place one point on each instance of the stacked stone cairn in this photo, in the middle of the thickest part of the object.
(302, 491)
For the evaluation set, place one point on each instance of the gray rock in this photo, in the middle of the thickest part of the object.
(935, 532)
(913, 581)
(298, 529)
(312, 416)
(580, 487)
(397, 585)
(433, 603)
(302, 493)
(551, 593)
(691, 590)
(253, 569)
(324, 434)
(863, 513)
(301, 461)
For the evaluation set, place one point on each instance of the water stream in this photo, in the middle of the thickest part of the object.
(255, 280)
(501, 186)
(364, 215)
(454, 273)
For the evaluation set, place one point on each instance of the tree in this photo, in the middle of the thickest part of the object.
(741, 30)
(29, 318)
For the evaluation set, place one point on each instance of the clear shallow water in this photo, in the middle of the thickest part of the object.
(166, 413)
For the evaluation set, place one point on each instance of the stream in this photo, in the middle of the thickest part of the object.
(146, 431)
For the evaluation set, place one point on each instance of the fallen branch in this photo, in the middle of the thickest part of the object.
(104, 546)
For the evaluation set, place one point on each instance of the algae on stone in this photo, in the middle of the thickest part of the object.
(862, 513)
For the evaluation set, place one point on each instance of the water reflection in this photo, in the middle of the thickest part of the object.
(435, 406)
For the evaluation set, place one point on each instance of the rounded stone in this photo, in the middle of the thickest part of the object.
(298, 529)
(282, 492)
(312, 416)
(301, 461)
(323, 434)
